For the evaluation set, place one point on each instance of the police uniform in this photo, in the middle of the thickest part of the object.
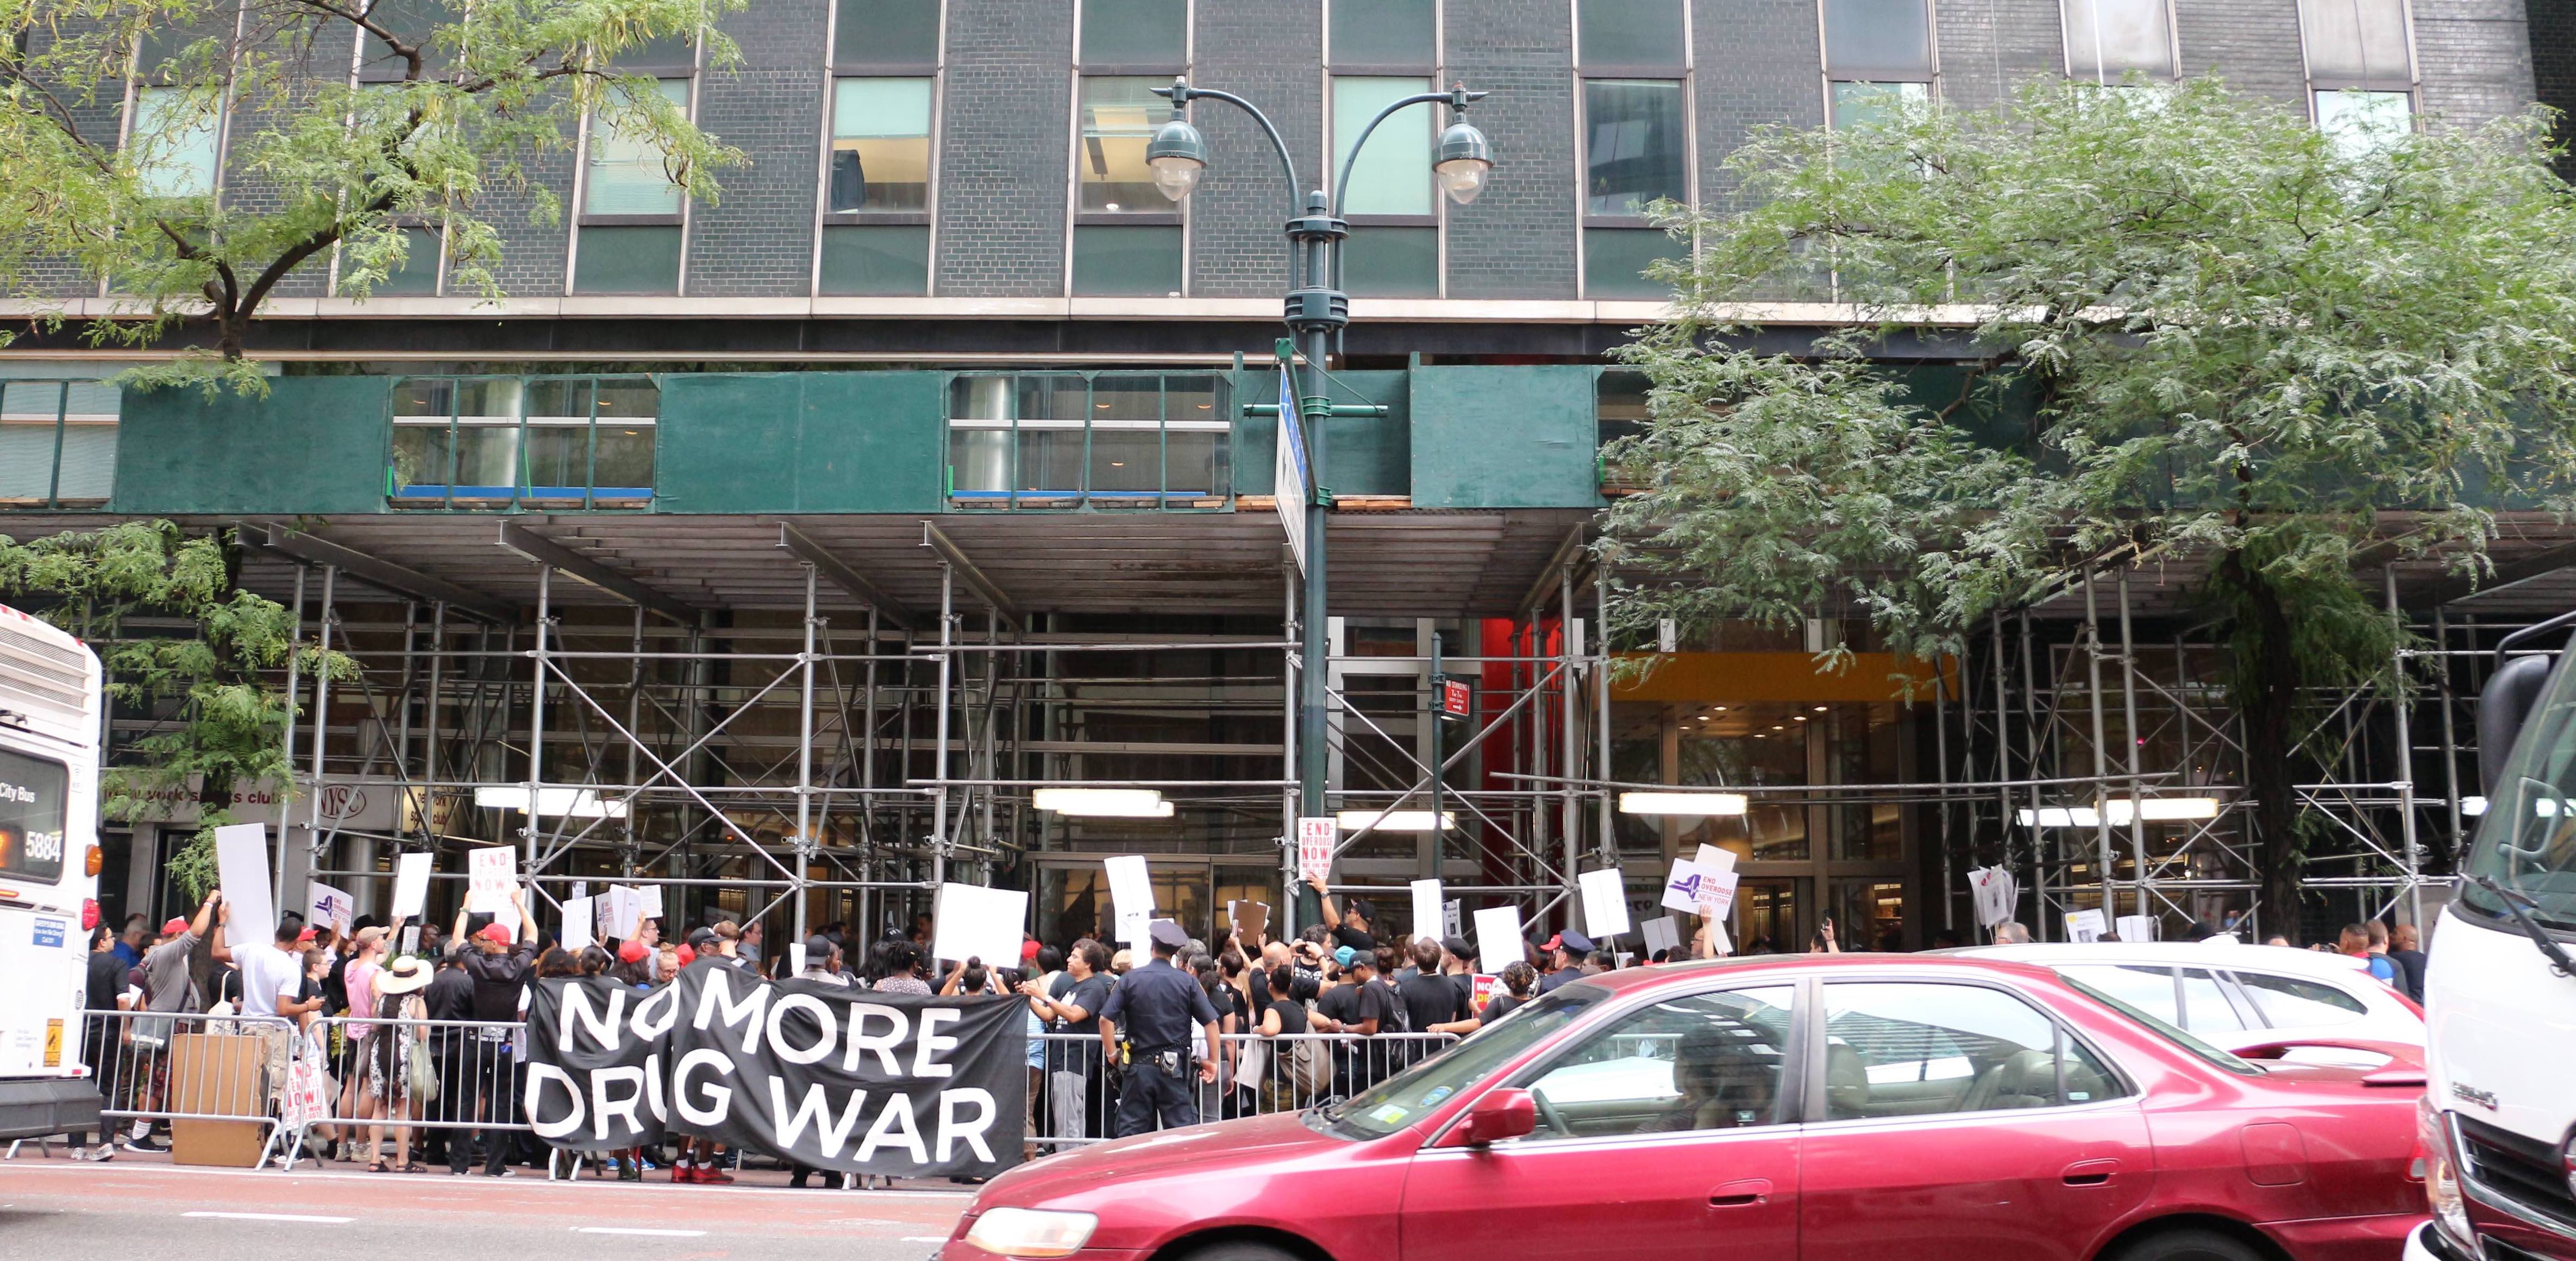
(1160, 1011)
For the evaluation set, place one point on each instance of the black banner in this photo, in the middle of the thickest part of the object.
(820, 1074)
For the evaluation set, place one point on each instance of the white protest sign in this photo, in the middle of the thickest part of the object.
(411, 884)
(648, 901)
(1131, 898)
(329, 906)
(411, 939)
(1605, 903)
(2137, 928)
(580, 890)
(1662, 933)
(1699, 891)
(578, 919)
(1426, 909)
(969, 921)
(241, 866)
(1315, 847)
(796, 958)
(1715, 859)
(1498, 938)
(489, 879)
(2085, 926)
(1717, 895)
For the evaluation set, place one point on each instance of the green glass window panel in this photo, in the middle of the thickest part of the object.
(1614, 260)
(26, 457)
(487, 461)
(558, 460)
(2355, 43)
(1123, 261)
(1127, 398)
(418, 271)
(876, 259)
(628, 260)
(1119, 116)
(627, 174)
(669, 52)
(1195, 465)
(1387, 262)
(2363, 123)
(1051, 398)
(493, 397)
(1630, 32)
(979, 461)
(1050, 460)
(420, 459)
(1865, 104)
(1126, 461)
(1878, 39)
(85, 470)
(2106, 39)
(1135, 32)
(880, 144)
(1383, 33)
(565, 399)
(428, 396)
(622, 465)
(1634, 145)
(175, 141)
(1393, 175)
(630, 398)
(886, 32)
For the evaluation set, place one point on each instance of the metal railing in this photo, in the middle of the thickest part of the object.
(1073, 1089)
(190, 1067)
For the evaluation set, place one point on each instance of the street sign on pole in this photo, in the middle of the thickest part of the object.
(1290, 485)
(1457, 699)
(1315, 836)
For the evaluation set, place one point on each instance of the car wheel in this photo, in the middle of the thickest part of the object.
(1240, 1250)
(2189, 1245)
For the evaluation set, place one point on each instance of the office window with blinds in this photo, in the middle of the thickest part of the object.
(57, 443)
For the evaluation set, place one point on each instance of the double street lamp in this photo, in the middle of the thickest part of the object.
(1317, 311)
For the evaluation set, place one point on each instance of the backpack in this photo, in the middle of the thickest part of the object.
(1310, 1067)
(1400, 1016)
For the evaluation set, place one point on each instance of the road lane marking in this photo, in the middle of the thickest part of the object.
(274, 1217)
(637, 1230)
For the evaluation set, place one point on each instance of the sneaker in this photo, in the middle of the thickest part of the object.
(630, 1174)
(95, 1153)
(146, 1144)
(503, 1172)
(684, 1173)
(714, 1175)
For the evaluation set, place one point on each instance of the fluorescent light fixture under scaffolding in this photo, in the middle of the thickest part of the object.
(1682, 803)
(577, 803)
(1393, 820)
(1103, 803)
(2119, 811)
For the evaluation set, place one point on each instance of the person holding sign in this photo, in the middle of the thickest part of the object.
(1159, 1004)
(498, 964)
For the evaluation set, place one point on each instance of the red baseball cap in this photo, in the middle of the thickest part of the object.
(176, 926)
(1028, 950)
(632, 951)
(303, 937)
(687, 956)
(495, 933)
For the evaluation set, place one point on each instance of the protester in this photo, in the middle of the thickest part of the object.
(2406, 952)
(272, 979)
(1518, 979)
(497, 964)
(1072, 1006)
(901, 961)
(103, 991)
(2378, 958)
(2015, 933)
(2355, 940)
(1282, 1017)
(397, 1068)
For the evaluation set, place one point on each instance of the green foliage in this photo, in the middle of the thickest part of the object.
(464, 101)
(218, 722)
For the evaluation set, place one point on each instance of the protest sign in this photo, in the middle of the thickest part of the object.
(241, 867)
(1498, 938)
(799, 1070)
(491, 877)
(1662, 933)
(796, 958)
(1605, 903)
(1131, 898)
(1251, 920)
(1715, 859)
(648, 901)
(2137, 928)
(329, 907)
(579, 918)
(1426, 909)
(1699, 891)
(2086, 925)
(973, 922)
(1315, 847)
(1481, 990)
(411, 884)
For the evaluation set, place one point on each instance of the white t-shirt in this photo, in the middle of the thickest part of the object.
(268, 974)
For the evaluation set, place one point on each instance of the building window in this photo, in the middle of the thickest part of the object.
(497, 442)
(417, 274)
(2361, 74)
(1878, 58)
(176, 143)
(872, 33)
(1126, 236)
(1389, 34)
(1865, 104)
(878, 239)
(1134, 34)
(631, 211)
(57, 443)
(1617, 34)
(2106, 39)
(1635, 153)
(1064, 441)
(1394, 247)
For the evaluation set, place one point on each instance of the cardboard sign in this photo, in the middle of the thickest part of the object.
(329, 906)
(1697, 890)
(490, 878)
(1315, 847)
(1250, 920)
(579, 918)
(1498, 938)
(2085, 925)
(1426, 909)
(973, 922)
(1605, 903)
(411, 884)
(241, 867)
(1663, 933)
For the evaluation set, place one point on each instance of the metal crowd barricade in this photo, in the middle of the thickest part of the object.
(189, 1066)
(1073, 1084)
(413, 1077)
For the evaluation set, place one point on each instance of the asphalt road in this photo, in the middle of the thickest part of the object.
(54, 1208)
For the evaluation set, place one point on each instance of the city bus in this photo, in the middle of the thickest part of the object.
(49, 756)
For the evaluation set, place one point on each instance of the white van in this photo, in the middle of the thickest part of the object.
(49, 755)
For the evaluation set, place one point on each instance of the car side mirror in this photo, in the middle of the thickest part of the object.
(1501, 1114)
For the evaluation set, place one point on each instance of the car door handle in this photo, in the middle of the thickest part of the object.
(1740, 1194)
(2090, 1173)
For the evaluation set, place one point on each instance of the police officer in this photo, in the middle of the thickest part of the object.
(1158, 1003)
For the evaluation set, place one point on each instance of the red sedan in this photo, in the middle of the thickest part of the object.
(1783, 1108)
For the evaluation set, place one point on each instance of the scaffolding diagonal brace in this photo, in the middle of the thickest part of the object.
(379, 573)
(546, 551)
(843, 576)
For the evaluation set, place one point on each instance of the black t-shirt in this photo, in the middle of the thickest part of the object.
(106, 983)
(1356, 1004)
(1466, 987)
(1431, 1000)
(1090, 994)
(1356, 939)
(1378, 998)
(1499, 1006)
(1292, 1014)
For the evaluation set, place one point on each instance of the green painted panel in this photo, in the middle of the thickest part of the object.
(1504, 437)
(799, 442)
(1363, 455)
(313, 445)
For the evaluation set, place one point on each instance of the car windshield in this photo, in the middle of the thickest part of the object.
(2527, 840)
(1401, 1100)
(2238, 1065)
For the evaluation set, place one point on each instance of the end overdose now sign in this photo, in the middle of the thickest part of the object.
(821, 1074)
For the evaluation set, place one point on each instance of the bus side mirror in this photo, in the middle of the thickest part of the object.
(2504, 704)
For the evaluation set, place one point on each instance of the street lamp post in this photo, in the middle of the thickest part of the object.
(1317, 311)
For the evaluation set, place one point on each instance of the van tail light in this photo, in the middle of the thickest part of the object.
(92, 862)
(89, 911)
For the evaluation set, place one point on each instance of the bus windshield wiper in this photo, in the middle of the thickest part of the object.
(2517, 906)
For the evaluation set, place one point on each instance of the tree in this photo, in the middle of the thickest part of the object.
(2186, 325)
(218, 723)
(456, 103)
